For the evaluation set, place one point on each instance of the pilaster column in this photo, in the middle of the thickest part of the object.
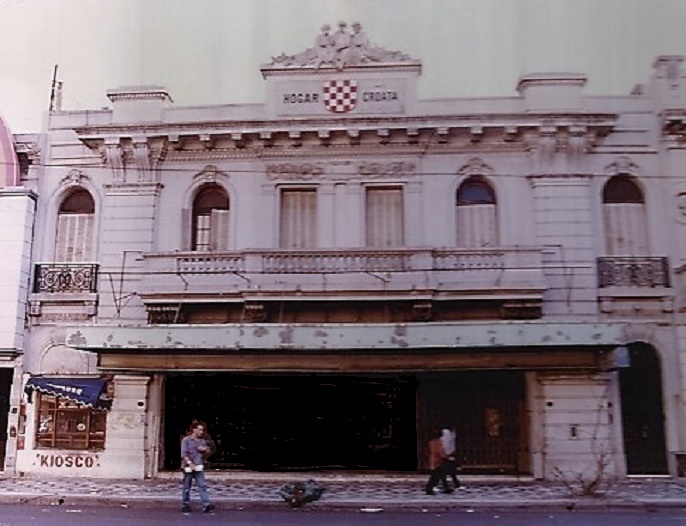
(126, 429)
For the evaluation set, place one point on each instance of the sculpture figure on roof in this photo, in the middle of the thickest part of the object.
(359, 48)
(324, 46)
(341, 40)
(340, 49)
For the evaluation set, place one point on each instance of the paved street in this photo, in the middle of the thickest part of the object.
(238, 491)
(23, 515)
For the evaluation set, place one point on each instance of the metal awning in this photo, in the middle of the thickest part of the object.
(235, 339)
(88, 392)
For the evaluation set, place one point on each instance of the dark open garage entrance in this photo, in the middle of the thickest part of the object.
(296, 422)
(372, 422)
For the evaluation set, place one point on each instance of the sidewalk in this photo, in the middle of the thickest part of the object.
(368, 492)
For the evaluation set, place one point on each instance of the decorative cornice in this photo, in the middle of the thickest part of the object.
(603, 120)
(139, 93)
(544, 135)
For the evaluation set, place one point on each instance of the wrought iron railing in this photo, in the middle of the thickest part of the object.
(65, 277)
(633, 271)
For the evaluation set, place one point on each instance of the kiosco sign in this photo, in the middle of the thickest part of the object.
(50, 460)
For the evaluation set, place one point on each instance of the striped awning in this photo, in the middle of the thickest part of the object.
(88, 392)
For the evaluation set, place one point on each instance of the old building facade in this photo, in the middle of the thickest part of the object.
(17, 207)
(350, 266)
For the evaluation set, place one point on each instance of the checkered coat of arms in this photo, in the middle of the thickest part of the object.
(340, 96)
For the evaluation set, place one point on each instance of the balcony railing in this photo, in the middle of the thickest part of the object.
(65, 277)
(335, 261)
(448, 271)
(625, 271)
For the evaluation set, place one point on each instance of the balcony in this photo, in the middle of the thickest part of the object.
(65, 277)
(636, 287)
(335, 275)
(64, 292)
(626, 271)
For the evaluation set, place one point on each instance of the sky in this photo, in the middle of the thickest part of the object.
(210, 51)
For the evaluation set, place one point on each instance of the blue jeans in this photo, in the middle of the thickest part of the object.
(199, 477)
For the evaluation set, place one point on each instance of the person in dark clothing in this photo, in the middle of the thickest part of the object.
(448, 440)
(437, 457)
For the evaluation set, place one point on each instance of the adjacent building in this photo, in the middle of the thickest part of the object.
(326, 277)
(17, 208)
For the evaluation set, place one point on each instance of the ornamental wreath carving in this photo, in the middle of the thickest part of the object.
(365, 169)
(340, 49)
(295, 171)
(369, 169)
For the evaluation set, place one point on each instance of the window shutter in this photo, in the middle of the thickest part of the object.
(74, 238)
(476, 226)
(625, 229)
(219, 230)
(384, 217)
(186, 226)
(298, 219)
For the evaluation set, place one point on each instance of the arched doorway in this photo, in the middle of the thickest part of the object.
(643, 418)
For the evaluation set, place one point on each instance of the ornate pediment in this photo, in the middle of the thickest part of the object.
(341, 49)
(622, 166)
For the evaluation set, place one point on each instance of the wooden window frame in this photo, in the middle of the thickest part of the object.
(63, 424)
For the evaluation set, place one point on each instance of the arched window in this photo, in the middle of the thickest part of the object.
(624, 217)
(75, 219)
(476, 214)
(210, 227)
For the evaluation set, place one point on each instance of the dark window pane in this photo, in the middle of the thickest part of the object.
(78, 202)
(475, 191)
(621, 189)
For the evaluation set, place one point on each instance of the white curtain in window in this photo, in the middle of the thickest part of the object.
(298, 218)
(74, 238)
(625, 229)
(385, 217)
(219, 230)
(476, 226)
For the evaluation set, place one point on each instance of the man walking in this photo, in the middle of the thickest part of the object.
(437, 457)
(448, 440)
(194, 450)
